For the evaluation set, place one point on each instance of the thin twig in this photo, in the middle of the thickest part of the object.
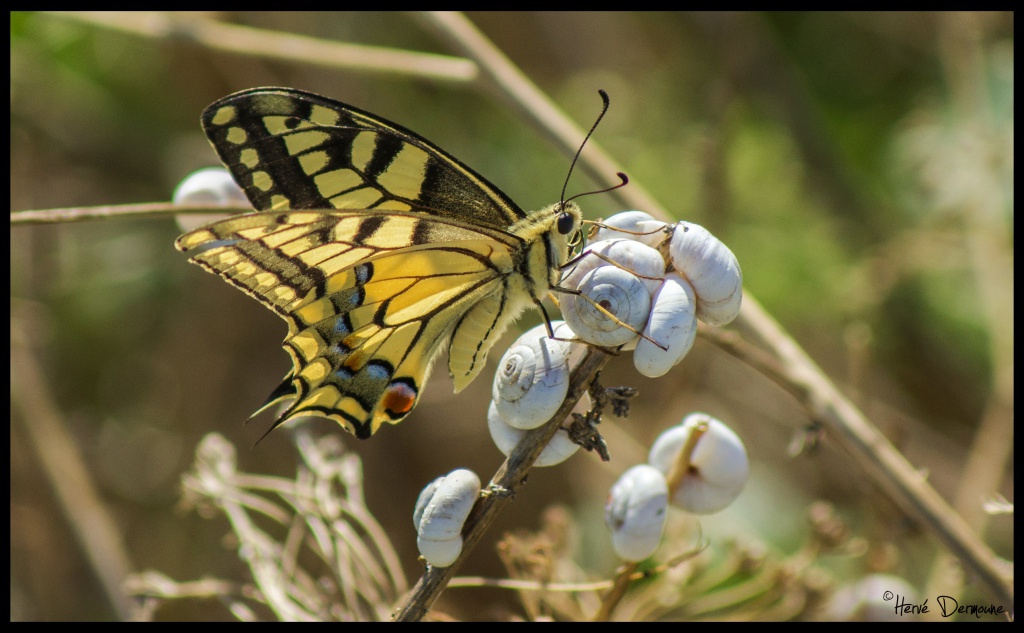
(119, 211)
(518, 584)
(261, 43)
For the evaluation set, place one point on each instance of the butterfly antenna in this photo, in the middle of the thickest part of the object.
(623, 177)
(607, 102)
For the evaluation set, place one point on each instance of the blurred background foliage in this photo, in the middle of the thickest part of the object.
(859, 165)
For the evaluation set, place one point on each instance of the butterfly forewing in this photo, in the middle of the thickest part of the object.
(290, 149)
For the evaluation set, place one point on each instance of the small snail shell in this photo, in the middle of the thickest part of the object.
(441, 511)
(637, 258)
(559, 449)
(711, 269)
(672, 324)
(636, 511)
(532, 380)
(213, 186)
(620, 293)
(650, 230)
(718, 467)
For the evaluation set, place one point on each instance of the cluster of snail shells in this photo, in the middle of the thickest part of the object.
(714, 475)
(623, 285)
(530, 384)
(441, 512)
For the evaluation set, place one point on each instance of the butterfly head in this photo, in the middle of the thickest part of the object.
(568, 225)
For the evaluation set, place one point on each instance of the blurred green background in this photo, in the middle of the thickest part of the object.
(859, 166)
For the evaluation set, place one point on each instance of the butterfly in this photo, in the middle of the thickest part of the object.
(378, 248)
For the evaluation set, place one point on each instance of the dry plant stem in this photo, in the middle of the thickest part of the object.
(684, 460)
(119, 211)
(530, 585)
(879, 459)
(509, 478)
(822, 400)
(95, 529)
(275, 45)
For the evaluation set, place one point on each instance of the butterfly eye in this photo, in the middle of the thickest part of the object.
(566, 223)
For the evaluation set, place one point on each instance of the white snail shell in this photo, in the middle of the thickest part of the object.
(213, 186)
(636, 257)
(619, 292)
(711, 268)
(643, 228)
(672, 324)
(636, 511)
(441, 511)
(559, 449)
(532, 379)
(718, 467)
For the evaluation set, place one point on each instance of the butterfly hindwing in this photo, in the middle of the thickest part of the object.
(367, 310)
(290, 149)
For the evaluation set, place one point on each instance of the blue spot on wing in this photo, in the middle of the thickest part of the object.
(212, 244)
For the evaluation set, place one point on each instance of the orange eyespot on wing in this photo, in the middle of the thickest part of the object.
(399, 398)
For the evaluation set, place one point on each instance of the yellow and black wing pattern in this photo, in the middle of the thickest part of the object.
(374, 245)
(290, 149)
